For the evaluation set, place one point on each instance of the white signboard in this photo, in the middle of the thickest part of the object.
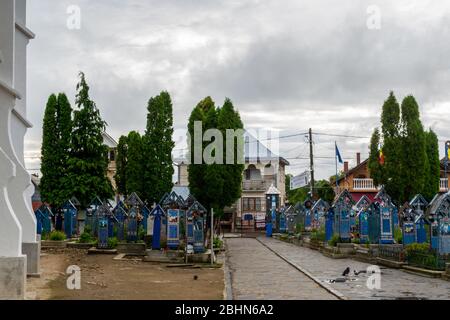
(300, 181)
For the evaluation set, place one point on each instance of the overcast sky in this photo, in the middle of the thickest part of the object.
(287, 65)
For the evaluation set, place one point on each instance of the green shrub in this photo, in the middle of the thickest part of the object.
(334, 240)
(57, 236)
(141, 233)
(112, 243)
(398, 235)
(86, 237)
(218, 243)
(318, 235)
(421, 248)
(45, 236)
(88, 229)
(356, 240)
(299, 228)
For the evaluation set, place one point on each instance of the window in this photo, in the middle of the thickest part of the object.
(112, 155)
(251, 204)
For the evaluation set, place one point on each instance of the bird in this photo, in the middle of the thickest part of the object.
(346, 272)
(195, 277)
(357, 273)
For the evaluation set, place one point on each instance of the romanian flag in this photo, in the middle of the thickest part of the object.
(381, 158)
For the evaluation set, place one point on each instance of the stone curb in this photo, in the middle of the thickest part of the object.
(328, 288)
(228, 291)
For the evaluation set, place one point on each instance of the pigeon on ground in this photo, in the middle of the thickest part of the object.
(346, 272)
(195, 277)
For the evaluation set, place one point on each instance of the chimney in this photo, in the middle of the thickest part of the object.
(358, 158)
(345, 167)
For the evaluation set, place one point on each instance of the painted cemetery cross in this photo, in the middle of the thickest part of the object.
(134, 214)
(103, 218)
(363, 211)
(197, 212)
(386, 209)
(70, 214)
(319, 211)
(342, 208)
(418, 206)
(173, 203)
(157, 214)
(44, 217)
(439, 216)
(121, 215)
(91, 215)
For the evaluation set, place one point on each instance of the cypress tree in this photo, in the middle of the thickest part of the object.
(55, 148)
(375, 168)
(49, 161)
(134, 167)
(390, 120)
(229, 118)
(198, 171)
(157, 147)
(121, 165)
(433, 166)
(413, 148)
(87, 164)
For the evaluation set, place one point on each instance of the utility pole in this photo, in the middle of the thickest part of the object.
(311, 156)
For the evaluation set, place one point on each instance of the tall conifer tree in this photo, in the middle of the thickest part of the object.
(433, 166)
(87, 164)
(413, 150)
(121, 166)
(135, 163)
(157, 147)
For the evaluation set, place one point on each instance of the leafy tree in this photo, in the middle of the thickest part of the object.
(135, 163)
(375, 168)
(87, 163)
(55, 148)
(121, 166)
(413, 148)
(431, 187)
(325, 191)
(157, 148)
(216, 185)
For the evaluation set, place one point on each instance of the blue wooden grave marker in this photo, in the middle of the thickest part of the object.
(157, 213)
(44, 219)
(173, 202)
(386, 209)
(342, 207)
(70, 213)
(134, 215)
(319, 211)
(103, 216)
(198, 212)
(439, 217)
(419, 205)
(121, 215)
(363, 208)
(91, 215)
(329, 224)
(308, 204)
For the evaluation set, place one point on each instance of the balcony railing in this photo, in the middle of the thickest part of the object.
(255, 185)
(444, 185)
(364, 185)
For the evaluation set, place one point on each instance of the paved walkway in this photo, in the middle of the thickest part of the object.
(259, 274)
(395, 284)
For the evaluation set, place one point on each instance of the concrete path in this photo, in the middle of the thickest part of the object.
(259, 274)
(395, 284)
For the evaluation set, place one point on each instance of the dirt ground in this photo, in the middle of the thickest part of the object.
(103, 278)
